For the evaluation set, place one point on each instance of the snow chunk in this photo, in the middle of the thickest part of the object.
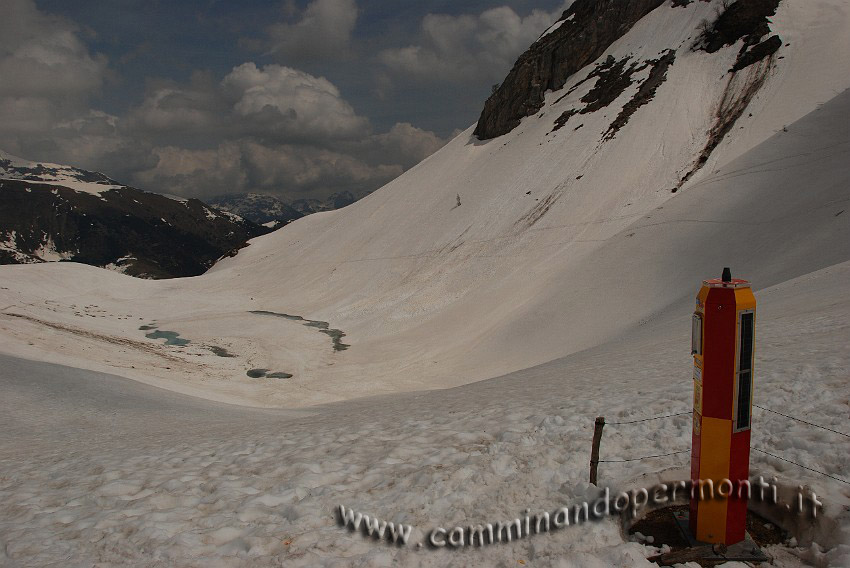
(49, 253)
(555, 26)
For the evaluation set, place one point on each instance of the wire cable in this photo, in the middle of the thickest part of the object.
(648, 419)
(644, 458)
(804, 467)
(804, 422)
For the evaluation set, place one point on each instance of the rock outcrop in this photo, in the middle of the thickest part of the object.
(581, 36)
(744, 19)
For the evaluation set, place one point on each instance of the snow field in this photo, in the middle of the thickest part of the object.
(212, 485)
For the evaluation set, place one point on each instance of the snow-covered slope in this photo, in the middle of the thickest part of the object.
(100, 470)
(563, 240)
(435, 294)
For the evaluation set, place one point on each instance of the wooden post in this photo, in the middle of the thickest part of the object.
(594, 452)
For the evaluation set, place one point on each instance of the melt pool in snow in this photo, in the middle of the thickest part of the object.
(171, 337)
(264, 374)
(336, 335)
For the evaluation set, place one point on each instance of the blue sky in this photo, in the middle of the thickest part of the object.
(289, 97)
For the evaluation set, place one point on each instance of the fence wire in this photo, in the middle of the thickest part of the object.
(648, 419)
(804, 421)
(802, 466)
(643, 458)
(756, 449)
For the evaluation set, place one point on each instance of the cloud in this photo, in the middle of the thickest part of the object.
(246, 165)
(196, 173)
(44, 55)
(273, 103)
(48, 76)
(286, 102)
(468, 47)
(167, 109)
(270, 128)
(403, 144)
(280, 130)
(324, 30)
(308, 169)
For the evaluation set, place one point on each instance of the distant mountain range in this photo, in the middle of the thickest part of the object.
(273, 212)
(52, 212)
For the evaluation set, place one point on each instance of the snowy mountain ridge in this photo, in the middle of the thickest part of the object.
(261, 209)
(53, 212)
(15, 168)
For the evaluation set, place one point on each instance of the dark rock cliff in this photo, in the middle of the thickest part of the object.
(747, 19)
(587, 29)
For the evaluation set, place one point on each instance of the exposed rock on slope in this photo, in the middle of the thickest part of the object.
(752, 55)
(613, 78)
(747, 20)
(588, 28)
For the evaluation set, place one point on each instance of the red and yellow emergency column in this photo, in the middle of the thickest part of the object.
(723, 346)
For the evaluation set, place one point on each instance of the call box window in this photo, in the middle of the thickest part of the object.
(696, 335)
(744, 376)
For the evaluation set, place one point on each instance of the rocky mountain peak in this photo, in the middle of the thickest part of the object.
(13, 167)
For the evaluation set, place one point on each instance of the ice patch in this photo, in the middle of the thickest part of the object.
(554, 27)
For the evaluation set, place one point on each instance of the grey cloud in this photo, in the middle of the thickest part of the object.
(460, 48)
(245, 165)
(90, 140)
(47, 76)
(273, 103)
(403, 144)
(196, 173)
(42, 55)
(324, 30)
(308, 169)
(47, 80)
(293, 103)
(271, 128)
(282, 131)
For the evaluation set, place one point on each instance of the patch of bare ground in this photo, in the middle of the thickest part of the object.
(613, 77)
(141, 346)
(538, 211)
(739, 92)
(646, 91)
